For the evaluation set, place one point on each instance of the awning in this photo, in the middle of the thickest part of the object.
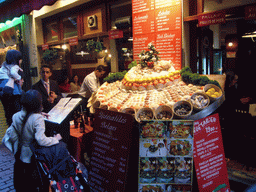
(16, 8)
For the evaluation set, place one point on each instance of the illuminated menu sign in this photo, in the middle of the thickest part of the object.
(166, 156)
(209, 157)
(159, 22)
(110, 151)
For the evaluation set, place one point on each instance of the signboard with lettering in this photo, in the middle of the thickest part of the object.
(45, 46)
(73, 41)
(115, 34)
(209, 157)
(110, 152)
(212, 18)
(166, 156)
(153, 20)
(250, 12)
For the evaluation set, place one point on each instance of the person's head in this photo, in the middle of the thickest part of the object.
(32, 101)
(13, 57)
(46, 72)
(75, 78)
(63, 79)
(100, 71)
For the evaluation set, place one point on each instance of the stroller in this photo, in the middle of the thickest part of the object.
(58, 171)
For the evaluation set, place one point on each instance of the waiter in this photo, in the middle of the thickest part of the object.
(48, 88)
(91, 84)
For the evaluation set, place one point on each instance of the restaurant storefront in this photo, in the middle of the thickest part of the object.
(195, 34)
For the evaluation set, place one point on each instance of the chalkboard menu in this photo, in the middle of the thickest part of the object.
(110, 151)
(166, 156)
(158, 22)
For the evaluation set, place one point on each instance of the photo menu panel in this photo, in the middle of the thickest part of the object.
(161, 22)
(166, 156)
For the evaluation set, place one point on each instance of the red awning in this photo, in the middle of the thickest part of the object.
(17, 8)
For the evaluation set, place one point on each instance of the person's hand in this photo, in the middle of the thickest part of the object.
(53, 95)
(245, 100)
(14, 72)
(58, 136)
(46, 115)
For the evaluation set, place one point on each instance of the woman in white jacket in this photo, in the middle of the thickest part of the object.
(28, 125)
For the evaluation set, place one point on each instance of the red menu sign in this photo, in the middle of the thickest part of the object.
(115, 34)
(158, 22)
(250, 12)
(209, 157)
(73, 41)
(110, 151)
(45, 46)
(212, 18)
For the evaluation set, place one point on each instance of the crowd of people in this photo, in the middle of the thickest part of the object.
(25, 111)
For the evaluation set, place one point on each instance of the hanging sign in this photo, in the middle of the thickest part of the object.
(110, 151)
(250, 12)
(45, 46)
(209, 157)
(211, 18)
(73, 41)
(115, 34)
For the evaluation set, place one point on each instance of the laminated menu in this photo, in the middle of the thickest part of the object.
(62, 109)
(166, 156)
(209, 157)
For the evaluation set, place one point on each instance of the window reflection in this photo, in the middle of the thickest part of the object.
(70, 26)
(52, 32)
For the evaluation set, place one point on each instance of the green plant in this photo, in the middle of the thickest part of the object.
(132, 64)
(50, 55)
(194, 78)
(112, 77)
(96, 46)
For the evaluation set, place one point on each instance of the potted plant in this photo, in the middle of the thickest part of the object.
(96, 46)
(50, 55)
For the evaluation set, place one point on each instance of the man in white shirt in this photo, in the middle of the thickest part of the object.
(91, 84)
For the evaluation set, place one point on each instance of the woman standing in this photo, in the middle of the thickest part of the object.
(28, 125)
(10, 87)
(75, 84)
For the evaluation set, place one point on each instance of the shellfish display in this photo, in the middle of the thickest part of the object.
(153, 83)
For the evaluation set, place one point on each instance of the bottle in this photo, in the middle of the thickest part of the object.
(82, 124)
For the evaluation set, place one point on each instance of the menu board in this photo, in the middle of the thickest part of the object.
(166, 156)
(161, 22)
(209, 155)
(110, 151)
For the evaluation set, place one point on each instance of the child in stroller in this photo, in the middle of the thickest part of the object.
(58, 170)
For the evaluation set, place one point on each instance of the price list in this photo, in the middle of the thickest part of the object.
(209, 155)
(139, 6)
(163, 3)
(168, 19)
(169, 45)
(110, 151)
(153, 17)
(143, 23)
(141, 43)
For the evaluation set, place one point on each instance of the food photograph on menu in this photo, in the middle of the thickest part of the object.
(166, 156)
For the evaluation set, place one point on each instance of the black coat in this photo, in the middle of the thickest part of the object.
(53, 87)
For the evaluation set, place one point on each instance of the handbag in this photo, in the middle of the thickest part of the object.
(9, 142)
(13, 143)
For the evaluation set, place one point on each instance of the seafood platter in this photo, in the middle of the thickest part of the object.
(157, 92)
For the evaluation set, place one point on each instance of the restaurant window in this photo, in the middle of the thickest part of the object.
(70, 27)
(52, 32)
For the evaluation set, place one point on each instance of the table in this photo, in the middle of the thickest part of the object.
(79, 141)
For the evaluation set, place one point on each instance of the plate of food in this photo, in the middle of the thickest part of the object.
(153, 129)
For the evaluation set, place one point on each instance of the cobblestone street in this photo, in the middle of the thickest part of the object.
(6, 170)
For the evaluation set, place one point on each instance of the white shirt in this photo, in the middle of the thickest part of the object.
(90, 84)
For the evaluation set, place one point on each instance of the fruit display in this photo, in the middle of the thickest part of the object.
(147, 85)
